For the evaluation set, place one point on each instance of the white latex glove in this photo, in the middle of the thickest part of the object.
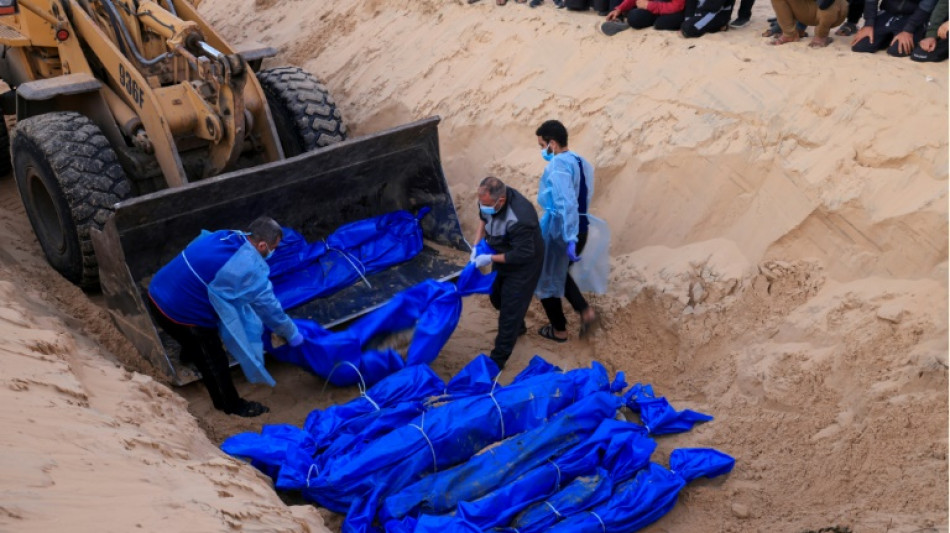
(471, 258)
(482, 260)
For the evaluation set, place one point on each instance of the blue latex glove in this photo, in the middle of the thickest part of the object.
(572, 252)
(296, 340)
(482, 260)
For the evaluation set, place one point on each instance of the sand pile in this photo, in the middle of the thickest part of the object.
(779, 261)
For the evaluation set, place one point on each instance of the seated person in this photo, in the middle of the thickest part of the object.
(823, 14)
(710, 16)
(898, 26)
(661, 14)
(934, 45)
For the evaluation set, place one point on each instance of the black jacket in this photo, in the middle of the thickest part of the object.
(917, 12)
(515, 232)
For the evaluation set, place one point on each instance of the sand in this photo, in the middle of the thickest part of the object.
(779, 260)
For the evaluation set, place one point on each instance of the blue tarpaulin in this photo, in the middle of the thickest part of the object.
(421, 456)
(344, 358)
(657, 414)
(620, 447)
(641, 501)
(302, 271)
(451, 433)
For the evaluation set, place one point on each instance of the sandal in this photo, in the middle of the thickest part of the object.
(548, 333)
(847, 29)
(588, 326)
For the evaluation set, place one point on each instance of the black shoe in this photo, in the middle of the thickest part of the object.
(603, 13)
(559, 3)
(535, 3)
(613, 27)
(740, 22)
(249, 409)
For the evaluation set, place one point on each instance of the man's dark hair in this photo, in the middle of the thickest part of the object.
(553, 130)
(495, 187)
(265, 229)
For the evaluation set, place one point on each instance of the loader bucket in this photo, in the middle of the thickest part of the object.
(313, 193)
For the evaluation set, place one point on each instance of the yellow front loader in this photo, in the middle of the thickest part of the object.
(137, 126)
(118, 98)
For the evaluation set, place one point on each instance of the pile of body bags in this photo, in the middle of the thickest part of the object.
(301, 271)
(551, 451)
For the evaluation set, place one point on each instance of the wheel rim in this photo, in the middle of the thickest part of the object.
(45, 208)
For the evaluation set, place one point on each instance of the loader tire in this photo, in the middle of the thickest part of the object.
(305, 115)
(5, 163)
(69, 180)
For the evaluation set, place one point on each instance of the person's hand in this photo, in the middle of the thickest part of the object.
(572, 252)
(482, 260)
(928, 44)
(296, 340)
(942, 30)
(642, 4)
(613, 15)
(867, 31)
(905, 42)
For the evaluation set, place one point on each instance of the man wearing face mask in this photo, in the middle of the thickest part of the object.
(509, 225)
(217, 290)
(564, 192)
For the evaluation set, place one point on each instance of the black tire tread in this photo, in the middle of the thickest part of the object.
(88, 171)
(306, 103)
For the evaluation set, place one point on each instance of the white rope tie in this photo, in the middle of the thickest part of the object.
(353, 261)
(362, 384)
(435, 466)
(192, 269)
(556, 512)
(309, 472)
(501, 417)
(558, 469)
(601, 520)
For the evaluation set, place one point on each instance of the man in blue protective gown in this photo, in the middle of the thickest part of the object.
(564, 193)
(509, 225)
(217, 290)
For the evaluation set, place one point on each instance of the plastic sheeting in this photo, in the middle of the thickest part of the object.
(620, 447)
(420, 456)
(593, 270)
(658, 415)
(302, 271)
(343, 358)
(641, 501)
(444, 436)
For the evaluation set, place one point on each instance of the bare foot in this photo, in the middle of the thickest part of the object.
(819, 42)
(783, 39)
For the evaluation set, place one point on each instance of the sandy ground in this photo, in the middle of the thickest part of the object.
(779, 260)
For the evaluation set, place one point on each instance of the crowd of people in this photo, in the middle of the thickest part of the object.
(915, 28)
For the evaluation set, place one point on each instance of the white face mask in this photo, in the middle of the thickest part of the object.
(269, 252)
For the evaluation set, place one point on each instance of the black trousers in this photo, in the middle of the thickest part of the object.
(939, 53)
(511, 294)
(639, 19)
(855, 11)
(699, 25)
(745, 9)
(552, 306)
(885, 28)
(202, 346)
